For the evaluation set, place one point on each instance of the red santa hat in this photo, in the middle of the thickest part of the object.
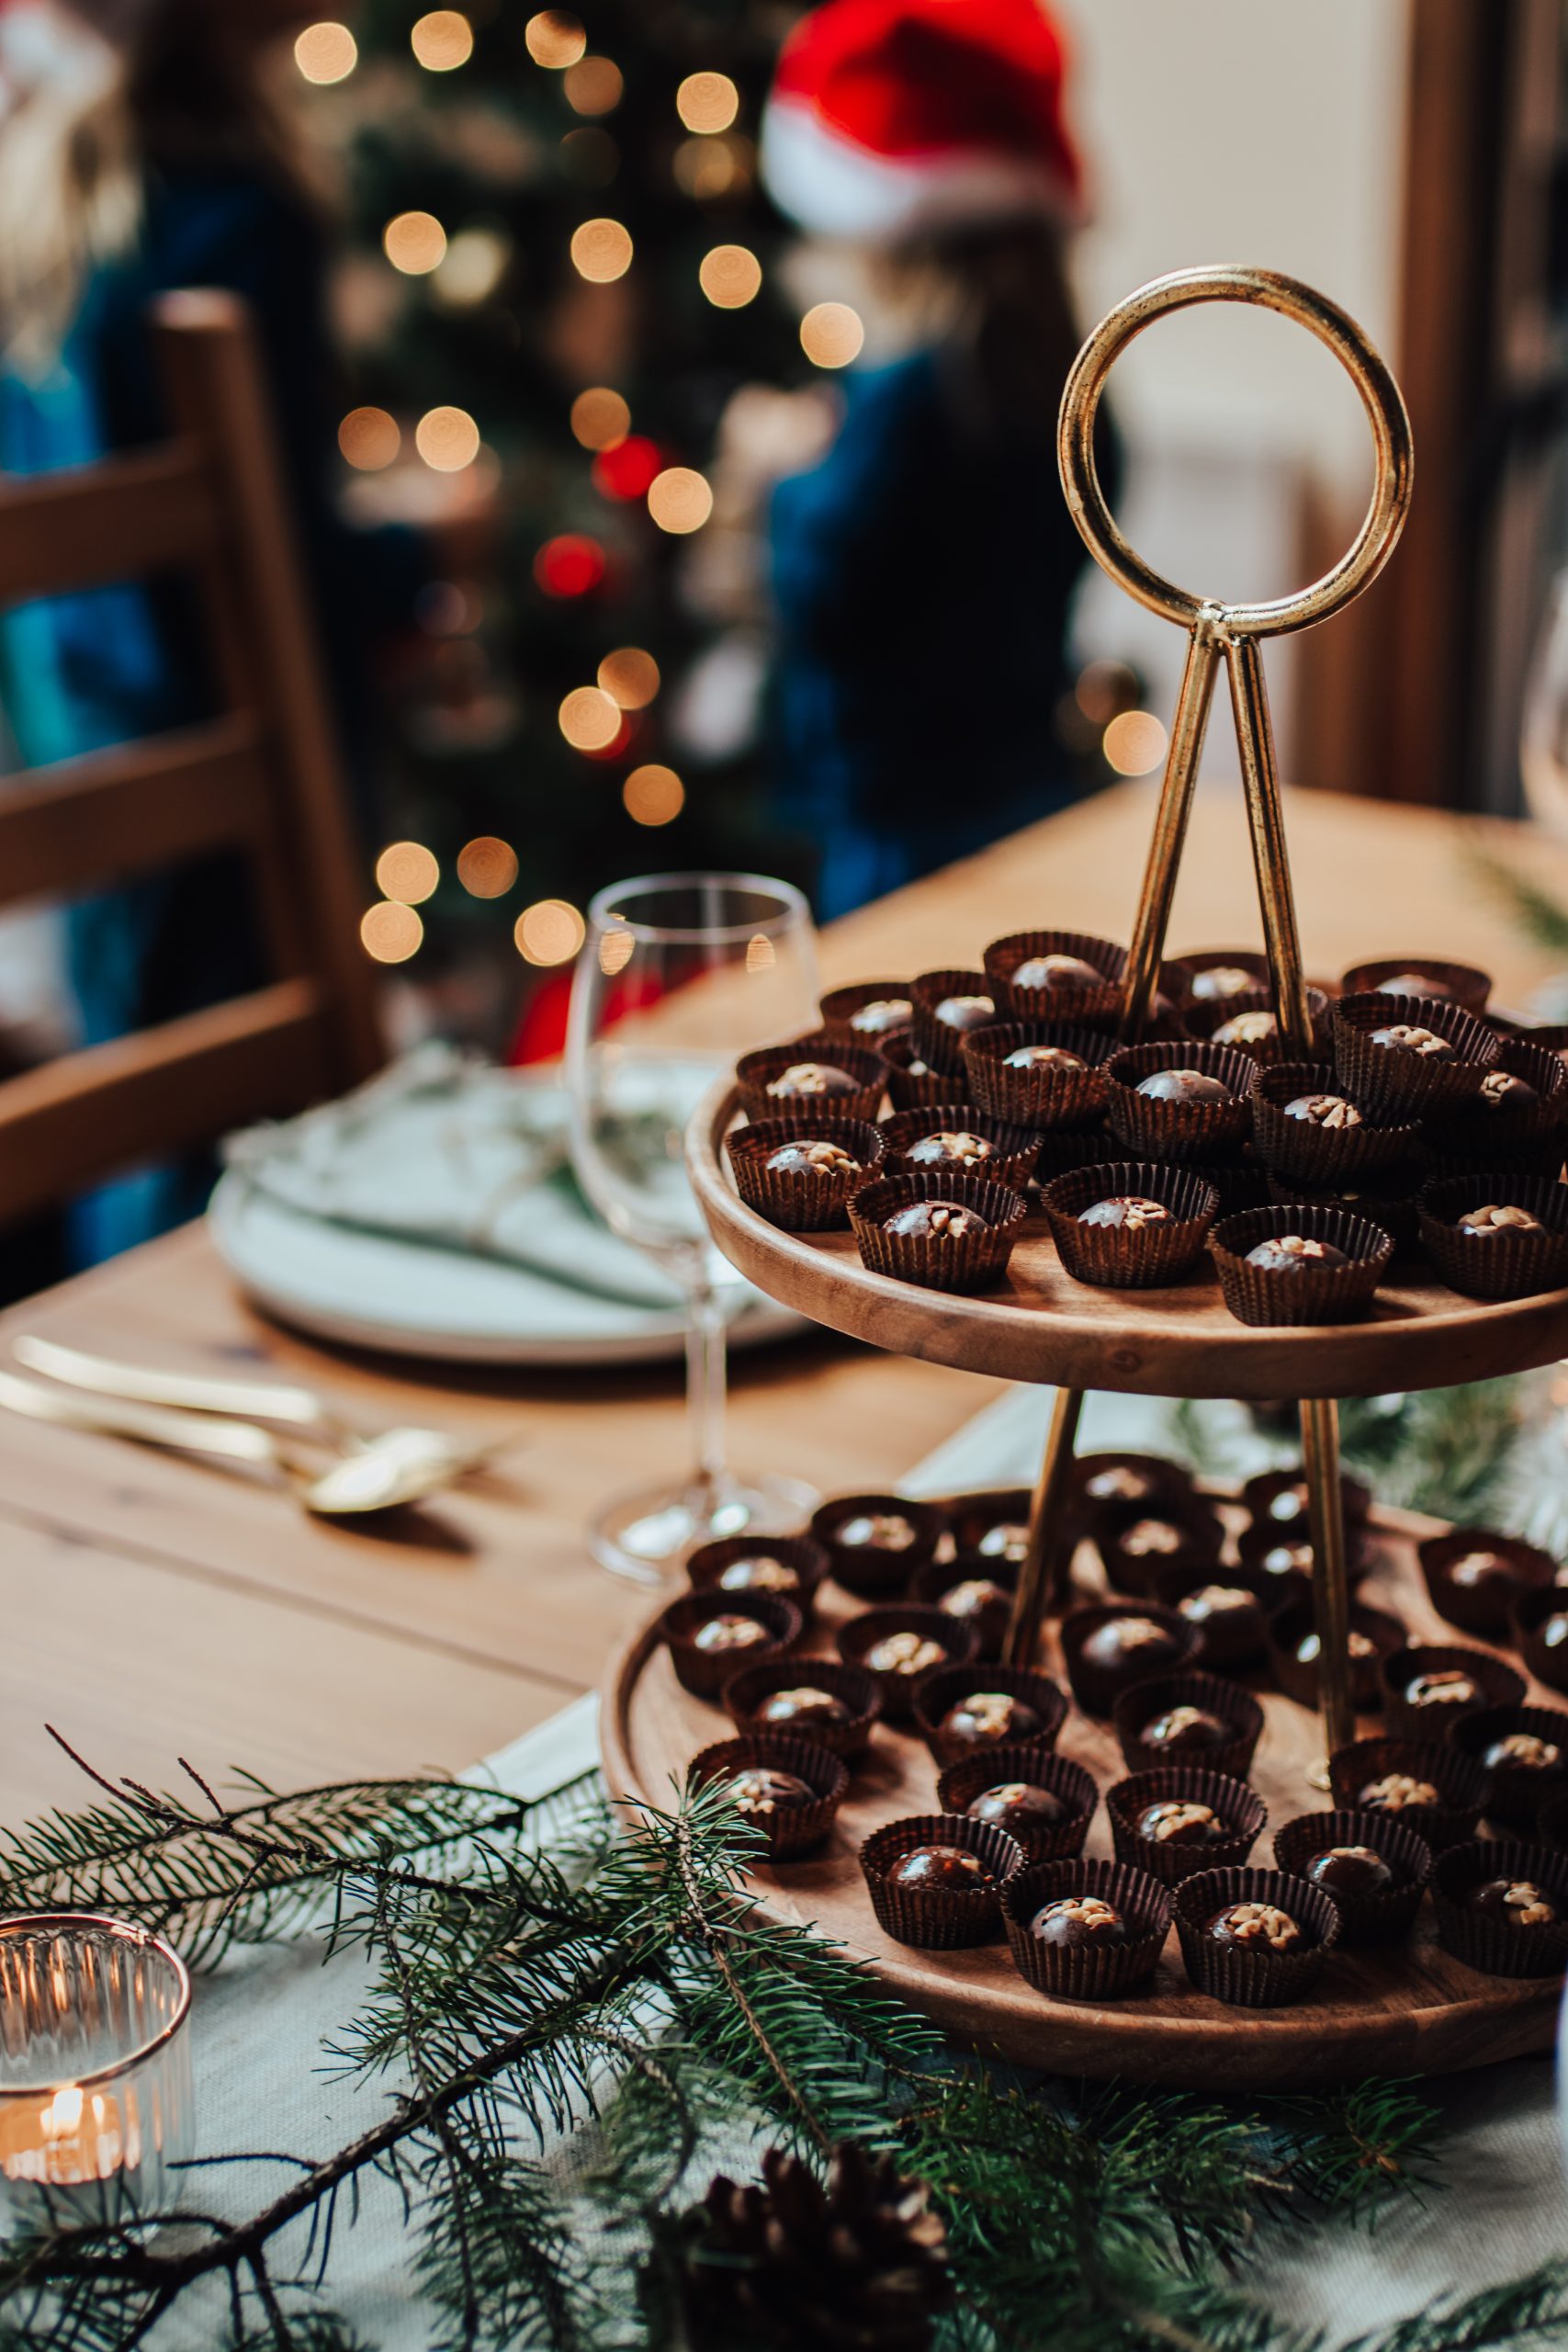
(890, 119)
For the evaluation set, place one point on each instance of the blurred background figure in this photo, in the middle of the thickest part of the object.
(922, 570)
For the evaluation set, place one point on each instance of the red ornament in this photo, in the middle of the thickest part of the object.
(627, 470)
(571, 565)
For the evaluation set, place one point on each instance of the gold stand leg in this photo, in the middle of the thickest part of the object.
(1188, 729)
(1042, 1577)
(1330, 1579)
(1261, 785)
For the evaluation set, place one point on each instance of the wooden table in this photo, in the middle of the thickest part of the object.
(155, 1608)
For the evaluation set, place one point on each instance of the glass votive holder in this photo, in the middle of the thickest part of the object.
(94, 2070)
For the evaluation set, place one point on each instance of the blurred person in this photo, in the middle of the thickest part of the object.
(922, 568)
(140, 153)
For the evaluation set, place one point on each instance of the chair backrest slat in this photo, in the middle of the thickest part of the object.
(127, 518)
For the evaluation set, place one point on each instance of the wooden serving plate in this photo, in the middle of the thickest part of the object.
(1178, 1341)
(1413, 2010)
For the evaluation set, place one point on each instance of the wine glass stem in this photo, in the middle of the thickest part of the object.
(706, 1384)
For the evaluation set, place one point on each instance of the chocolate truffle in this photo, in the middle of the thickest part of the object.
(806, 1704)
(876, 1530)
(1501, 1090)
(1126, 1209)
(1409, 1038)
(904, 1654)
(976, 1599)
(1289, 1506)
(1184, 1086)
(728, 1633)
(1287, 1559)
(1359, 1646)
(1246, 1029)
(987, 1717)
(1513, 1902)
(1007, 1539)
(1324, 1111)
(1018, 1806)
(1494, 1217)
(1149, 1539)
(1526, 1751)
(812, 1077)
(1294, 1253)
(1413, 984)
(1447, 1687)
(760, 1789)
(1137, 1645)
(965, 1012)
(1254, 1926)
(1218, 1605)
(1350, 1870)
(1043, 1057)
(761, 1574)
(1057, 972)
(1554, 1632)
(1393, 1791)
(813, 1156)
(880, 1014)
(1121, 1483)
(1180, 1821)
(945, 1868)
(1184, 1731)
(934, 1221)
(1077, 1922)
(1480, 1571)
(1222, 980)
(950, 1150)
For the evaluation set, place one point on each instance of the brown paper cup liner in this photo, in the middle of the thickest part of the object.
(1465, 983)
(1498, 1683)
(939, 1918)
(1165, 1483)
(910, 1089)
(940, 1577)
(959, 1784)
(1186, 1131)
(704, 1672)
(1091, 1974)
(1037, 1098)
(1297, 1678)
(1114, 1257)
(1516, 1792)
(1193, 1687)
(937, 1041)
(1231, 1639)
(1205, 1021)
(1320, 1158)
(1240, 1181)
(1394, 1209)
(754, 1073)
(865, 1569)
(1391, 1084)
(1506, 1264)
(1013, 1150)
(1003, 957)
(1374, 1918)
(840, 1006)
(706, 1565)
(974, 1261)
(1458, 1781)
(1261, 1496)
(802, 1200)
(793, 1829)
(745, 1693)
(1097, 1686)
(1542, 1160)
(1488, 1944)
(1064, 1149)
(860, 1635)
(1253, 1980)
(1482, 1607)
(1202, 1532)
(1240, 1809)
(945, 1687)
(1551, 1826)
(1314, 1293)
(1529, 1618)
(1483, 1129)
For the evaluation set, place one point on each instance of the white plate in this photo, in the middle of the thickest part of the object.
(366, 1290)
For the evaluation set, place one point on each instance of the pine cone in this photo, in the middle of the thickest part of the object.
(860, 2266)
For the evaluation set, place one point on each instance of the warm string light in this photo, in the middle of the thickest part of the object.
(653, 794)
(407, 871)
(487, 866)
(832, 334)
(448, 439)
(589, 718)
(592, 85)
(706, 168)
(599, 418)
(571, 564)
(442, 40)
(326, 52)
(369, 438)
(615, 952)
(730, 277)
(390, 933)
(600, 251)
(414, 242)
(475, 263)
(629, 470)
(708, 102)
(555, 38)
(1134, 743)
(550, 932)
(629, 676)
(680, 499)
(589, 157)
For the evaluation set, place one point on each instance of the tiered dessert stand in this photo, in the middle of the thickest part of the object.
(1413, 2009)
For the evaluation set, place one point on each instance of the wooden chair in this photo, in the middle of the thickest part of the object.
(261, 779)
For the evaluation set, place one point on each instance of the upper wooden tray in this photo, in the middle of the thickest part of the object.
(1180, 1341)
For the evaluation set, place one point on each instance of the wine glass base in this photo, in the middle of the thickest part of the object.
(645, 1536)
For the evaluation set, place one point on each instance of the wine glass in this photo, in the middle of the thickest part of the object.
(678, 975)
(1543, 736)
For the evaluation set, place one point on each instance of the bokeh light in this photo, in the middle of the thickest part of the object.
(408, 872)
(415, 243)
(550, 932)
(730, 277)
(592, 85)
(629, 469)
(487, 866)
(326, 52)
(571, 564)
(629, 676)
(442, 40)
(708, 102)
(600, 251)
(448, 439)
(1134, 743)
(589, 718)
(759, 953)
(599, 418)
(369, 438)
(390, 933)
(706, 168)
(653, 796)
(555, 37)
(615, 952)
(832, 334)
(589, 158)
(679, 499)
(474, 265)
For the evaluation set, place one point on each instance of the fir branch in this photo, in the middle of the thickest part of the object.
(1541, 918)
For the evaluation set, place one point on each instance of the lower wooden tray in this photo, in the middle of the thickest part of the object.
(1411, 2011)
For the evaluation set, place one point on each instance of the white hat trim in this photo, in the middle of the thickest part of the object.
(835, 187)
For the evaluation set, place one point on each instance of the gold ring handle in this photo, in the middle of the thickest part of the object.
(1381, 397)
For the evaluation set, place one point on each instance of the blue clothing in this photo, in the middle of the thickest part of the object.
(922, 578)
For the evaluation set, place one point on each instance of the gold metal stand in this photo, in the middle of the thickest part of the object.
(1232, 633)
